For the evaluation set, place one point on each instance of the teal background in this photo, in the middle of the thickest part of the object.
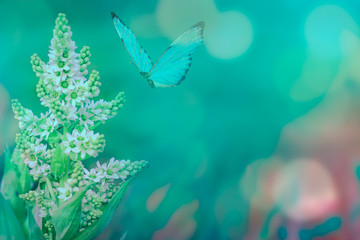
(201, 136)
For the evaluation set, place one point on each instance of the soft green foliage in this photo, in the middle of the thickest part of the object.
(2, 163)
(9, 227)
(46, 176)
(33, 229)
(66, 218)
(16, 180)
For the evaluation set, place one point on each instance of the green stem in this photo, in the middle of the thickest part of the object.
(95, 126)
(42, 159)
(68, 126)
(51, 190)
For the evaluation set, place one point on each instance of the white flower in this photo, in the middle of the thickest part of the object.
(42, 213)
(45, 169)
(40, 171)
(27, 120)
(85, 117)
(40, 149)
(87, 145)
(65, 86)
(99, 109)
(70, 181)
(112, 168)
(66, 192)
(52, 207)
(93, 175)
(91, 106)
(71, 143)
(63, 57)
(46, 100)
(32, 159)
(104, 187)
(81, 86)
(90, 193)
(114, 164)
(100, 168)
(48, 126)
(123, 173)
(35, 171)
(53, 75)
(76, 95)
(70, 111)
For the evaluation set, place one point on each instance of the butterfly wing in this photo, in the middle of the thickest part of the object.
(172, 66)
(136, 52)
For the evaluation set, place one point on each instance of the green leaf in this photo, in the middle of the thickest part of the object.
(25, 180)
(34, 231)
(54, 137)
(66, 218)
(59, 163)
(16, 180)
(99, 226)
(2, 164)
(5, 160)
(9, 225)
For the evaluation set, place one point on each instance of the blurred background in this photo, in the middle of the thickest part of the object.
(261, 140)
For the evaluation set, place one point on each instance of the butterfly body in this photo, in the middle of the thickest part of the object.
(144, 74)
(147, 77)
(171, 68)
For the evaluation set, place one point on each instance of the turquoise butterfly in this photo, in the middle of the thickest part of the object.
(171, 68)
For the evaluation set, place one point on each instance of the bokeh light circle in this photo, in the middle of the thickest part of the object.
(305, 190)
(316, 78)
(324, 27)
(350, 46)
(174, 16)
(230, 36)
(257, 182)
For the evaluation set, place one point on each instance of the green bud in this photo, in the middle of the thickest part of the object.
(61, 64)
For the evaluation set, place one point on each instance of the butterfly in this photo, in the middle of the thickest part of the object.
(171, 68)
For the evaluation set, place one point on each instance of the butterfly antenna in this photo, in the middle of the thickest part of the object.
(113, 15)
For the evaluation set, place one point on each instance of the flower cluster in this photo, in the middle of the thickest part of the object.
(105, 176)
(53, 145)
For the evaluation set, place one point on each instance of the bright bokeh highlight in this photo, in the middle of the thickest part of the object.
(323, 28)
(305, 190)
(227, 34)
(230, 36)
